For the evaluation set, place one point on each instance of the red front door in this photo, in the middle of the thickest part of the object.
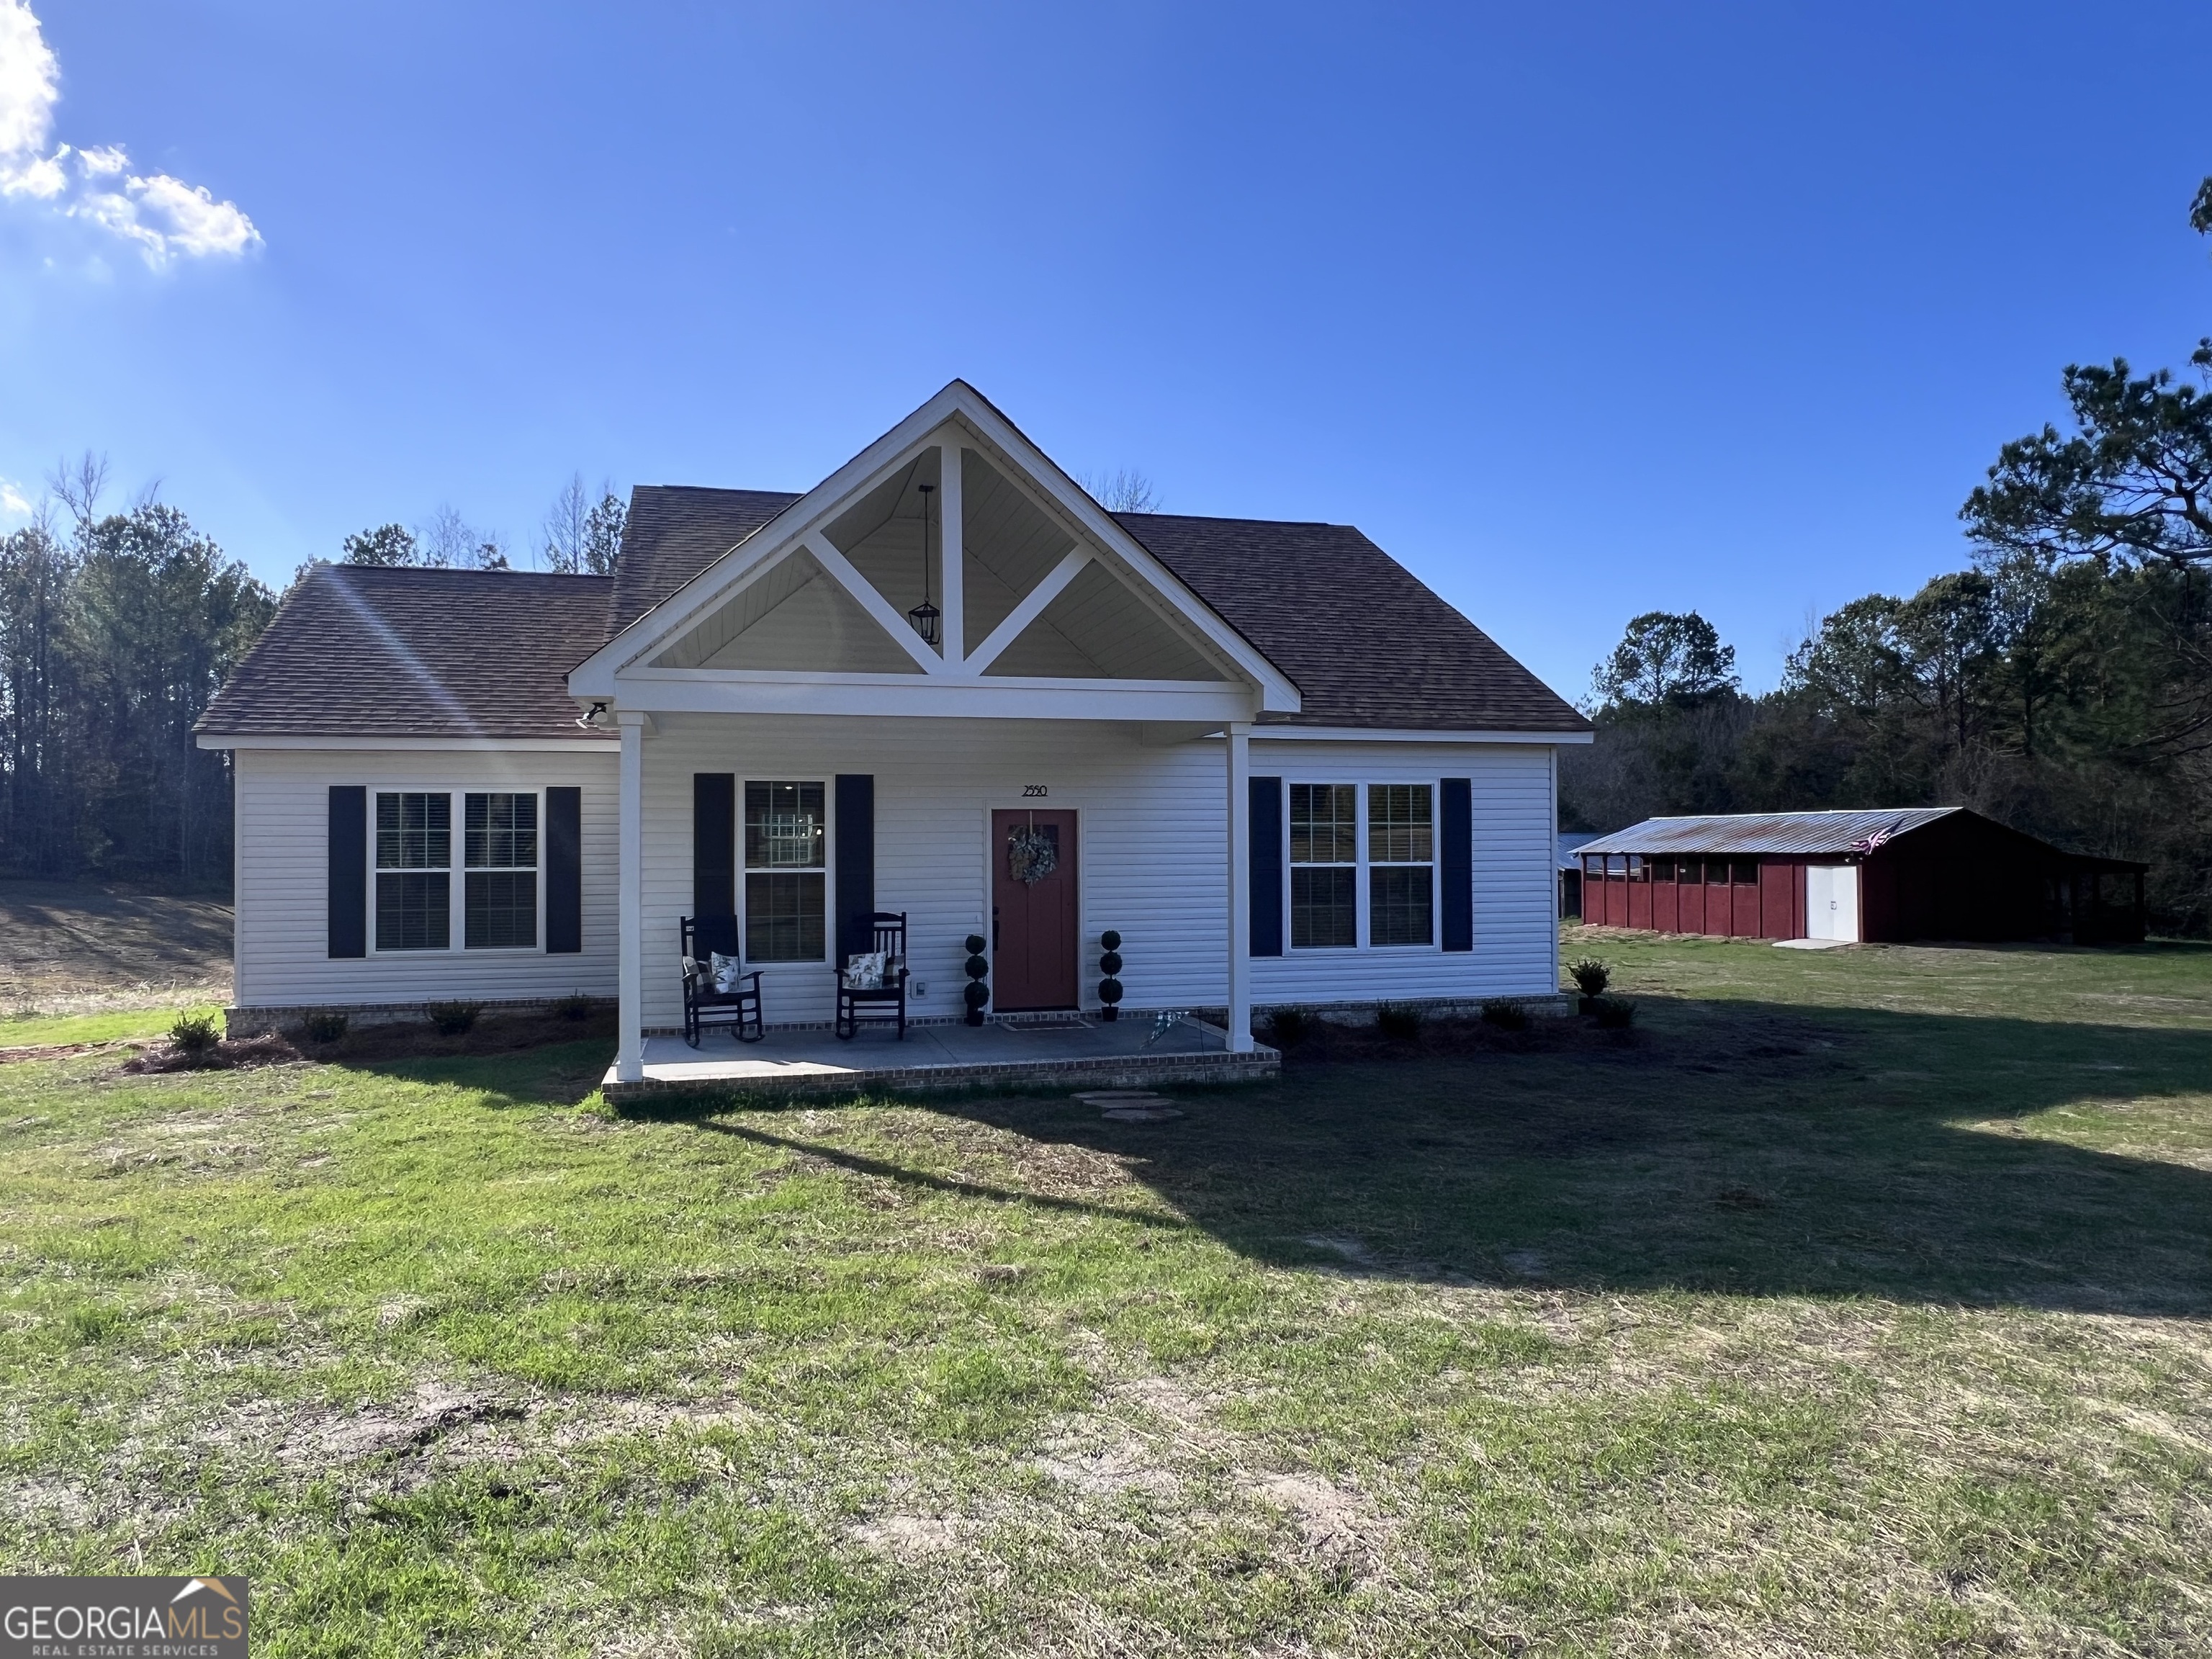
(1034, 942)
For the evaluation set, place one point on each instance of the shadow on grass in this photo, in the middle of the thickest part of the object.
(1733, 1147)
(546, 1074)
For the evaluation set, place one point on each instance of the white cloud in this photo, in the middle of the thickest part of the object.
(14, 504)
(164, 217)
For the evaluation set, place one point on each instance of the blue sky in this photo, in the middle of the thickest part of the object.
(1579, 312)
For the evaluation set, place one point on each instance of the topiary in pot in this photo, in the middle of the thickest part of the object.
(1109, 964)
(975, 994)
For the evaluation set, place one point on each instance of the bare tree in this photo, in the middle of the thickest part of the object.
(79, 485)
(1124, 490)
(450, 541)
(581, 536)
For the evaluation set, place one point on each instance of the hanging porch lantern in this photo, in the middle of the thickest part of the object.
(925, 615)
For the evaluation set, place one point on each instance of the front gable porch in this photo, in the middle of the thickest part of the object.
(949, 587)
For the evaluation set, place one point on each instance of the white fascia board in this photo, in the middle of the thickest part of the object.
(593, 680)
(421, 745)
(1397, 734)
(594, 676)
(1278, 694)
(731, 691)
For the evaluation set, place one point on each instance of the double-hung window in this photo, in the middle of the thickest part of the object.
(1402, 864)
(499, 882)
(414, 861)
(1363, 864)
(1324, 864)
(787, 850)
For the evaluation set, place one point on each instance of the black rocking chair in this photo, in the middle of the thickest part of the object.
(885, 1003)
(704, 1004)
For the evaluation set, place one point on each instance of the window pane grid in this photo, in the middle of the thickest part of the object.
(786, 845)
(501, 908)
(500, 832)
(414, 831)
(785, 826)
(1399, 827)
(499, 849)
(1324, 906)
(414, 911)
(1324, 861)
(1401, 850)
(784, 917)
(1324, 824)
(1399, 911)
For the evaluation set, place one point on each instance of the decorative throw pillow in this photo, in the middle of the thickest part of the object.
(863, 971)
(728, 971)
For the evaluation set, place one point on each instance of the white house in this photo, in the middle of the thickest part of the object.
(1269, 757)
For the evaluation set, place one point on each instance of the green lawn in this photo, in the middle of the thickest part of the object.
(1859, 1304)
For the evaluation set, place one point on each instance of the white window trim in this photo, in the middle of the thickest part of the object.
(1362, 889)
(461, 887)
(455, 870)
(829, 872)
(1434, 865)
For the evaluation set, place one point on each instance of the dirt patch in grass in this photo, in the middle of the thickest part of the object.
(78, 947)
(388, 1040)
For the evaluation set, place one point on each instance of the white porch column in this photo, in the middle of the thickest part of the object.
(950, 543)
(1239, 745)
(630, 1047)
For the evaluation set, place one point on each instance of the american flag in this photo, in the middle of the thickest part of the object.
(1868, 843)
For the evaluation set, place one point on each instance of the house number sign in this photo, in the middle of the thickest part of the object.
(1033, 791)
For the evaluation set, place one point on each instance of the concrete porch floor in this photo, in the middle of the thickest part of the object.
(1080, 1052)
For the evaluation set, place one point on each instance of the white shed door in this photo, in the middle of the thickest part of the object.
(1832, 902)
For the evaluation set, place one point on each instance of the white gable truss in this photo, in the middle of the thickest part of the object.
(1050, 609)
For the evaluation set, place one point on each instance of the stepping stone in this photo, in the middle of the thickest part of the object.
(1130, 1105)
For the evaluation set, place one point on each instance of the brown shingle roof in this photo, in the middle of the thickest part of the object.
(673, 532)
(366, 651)
(1363, 640)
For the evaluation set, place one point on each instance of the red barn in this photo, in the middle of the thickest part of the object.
(1904, 873)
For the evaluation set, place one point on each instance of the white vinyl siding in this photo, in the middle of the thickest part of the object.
(282, 946)
(1152, 831)
(1152, 853)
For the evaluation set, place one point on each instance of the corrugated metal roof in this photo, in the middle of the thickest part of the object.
(1816, 833)
(1571, 842)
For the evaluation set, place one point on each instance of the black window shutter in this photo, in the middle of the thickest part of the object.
(856, 862)
(349, 873)
(1455, 825)
(564, 872)
(714, 844)
(1267, 861)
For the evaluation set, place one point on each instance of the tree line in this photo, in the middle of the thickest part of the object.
(115, 628)
(2061, 682)
(118, 627)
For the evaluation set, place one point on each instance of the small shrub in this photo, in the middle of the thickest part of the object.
(1505, 1015)
(578, 1006)
(1398, 1022)
(1289, 1027)
(323, 1025)
(195, 1033)
(451, 1018)
(1614, 1013)
(1590, 976)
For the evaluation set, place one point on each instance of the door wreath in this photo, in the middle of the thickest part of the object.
(1031, 855)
